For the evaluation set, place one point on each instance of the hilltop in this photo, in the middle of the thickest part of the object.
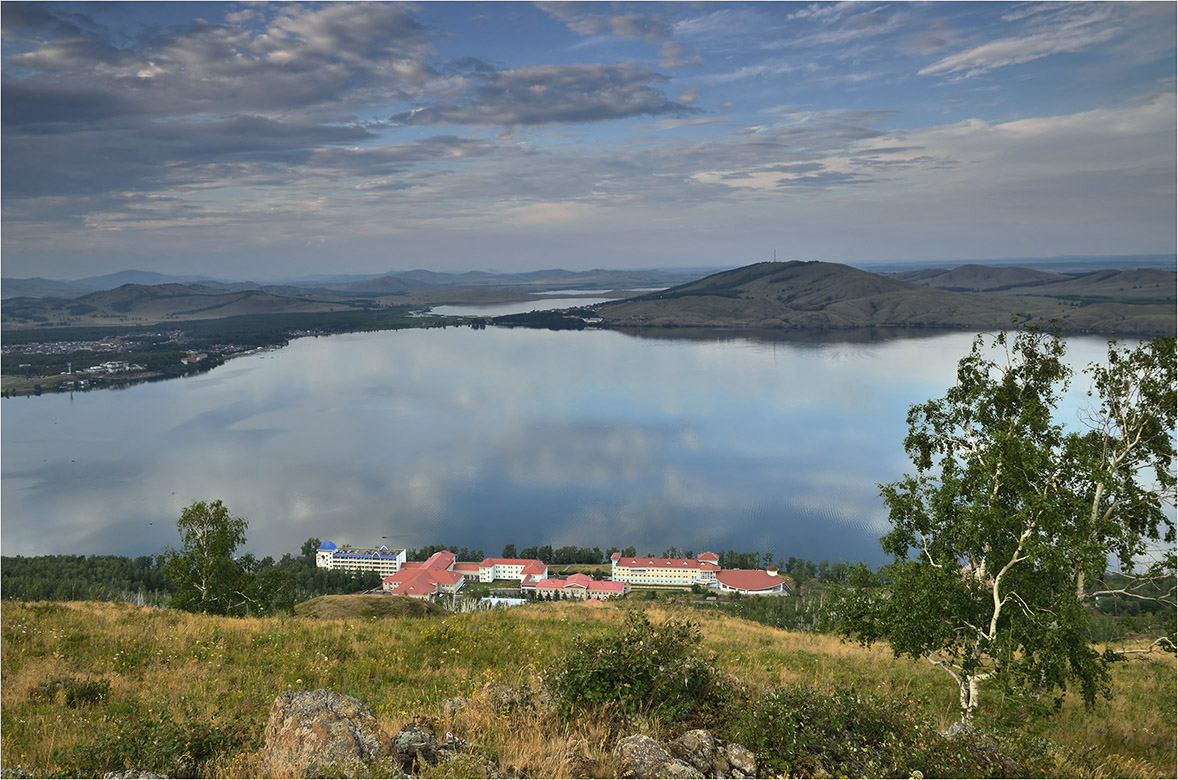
(94, 687)
(819, 295)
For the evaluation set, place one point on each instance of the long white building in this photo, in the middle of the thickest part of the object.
(665, 571)
(381, 559)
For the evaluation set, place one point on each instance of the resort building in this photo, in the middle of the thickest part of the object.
(579, 586)
(665, 571)
(530, 569)
(423, 580)
(381, 559)
(751, 582)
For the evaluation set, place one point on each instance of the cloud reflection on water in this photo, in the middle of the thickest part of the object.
(479, 438)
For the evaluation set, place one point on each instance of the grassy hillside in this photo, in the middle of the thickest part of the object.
(815, 295)
(979, 278)
(154, 303)
(208, 683)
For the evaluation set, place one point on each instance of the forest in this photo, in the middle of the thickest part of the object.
(141, 580)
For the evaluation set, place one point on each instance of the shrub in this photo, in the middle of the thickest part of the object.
(802, 732)
(153, 741)
(79, 692)
(642, 669)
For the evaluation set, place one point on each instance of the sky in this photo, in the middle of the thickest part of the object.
(268, 141)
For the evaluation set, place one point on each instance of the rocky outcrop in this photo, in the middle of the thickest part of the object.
(694, 754)
(536, 695)
(641, 756)
(310, 731)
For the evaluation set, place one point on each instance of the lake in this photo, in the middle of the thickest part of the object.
(480, 438)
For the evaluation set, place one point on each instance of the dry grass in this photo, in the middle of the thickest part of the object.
(220, 671)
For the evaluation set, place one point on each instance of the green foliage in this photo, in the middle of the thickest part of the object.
(83, 578)
(1009, 518)
(644, 669)
(794, 613)
(203, 572)
(153, 741)
(77, 692)
(802, 732)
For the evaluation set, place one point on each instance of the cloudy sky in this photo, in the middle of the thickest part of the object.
(273, 140)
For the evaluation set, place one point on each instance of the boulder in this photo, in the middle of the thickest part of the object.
(310, 731)
(699, 748)
(641, 756)
(741, 761)
(415, 745)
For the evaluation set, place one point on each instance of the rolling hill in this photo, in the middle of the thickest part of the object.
(818, 295)
(979, 278)
(154, 303)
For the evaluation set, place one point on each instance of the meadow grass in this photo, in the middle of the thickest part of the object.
(217, 677)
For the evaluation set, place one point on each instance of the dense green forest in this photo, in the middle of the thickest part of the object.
(141, 580)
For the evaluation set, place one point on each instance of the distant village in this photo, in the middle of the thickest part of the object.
(441, 574)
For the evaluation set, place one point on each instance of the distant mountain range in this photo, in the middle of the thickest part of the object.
(793, 295)
(393, 282)
(817, 295)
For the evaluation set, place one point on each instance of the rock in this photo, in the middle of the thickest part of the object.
(502, 698)
(699, 748)
(309, 731)
(741, 761)
(415, 745)
(641, 756)
(451, 708)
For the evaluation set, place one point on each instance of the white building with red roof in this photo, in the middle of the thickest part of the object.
(522, 569)
(665, 571)
(432, 577)
(751, 582)
(579, 586)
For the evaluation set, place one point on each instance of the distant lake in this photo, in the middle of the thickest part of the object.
(520, 307)
(479, 438)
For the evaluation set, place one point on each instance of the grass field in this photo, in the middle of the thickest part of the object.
(79, 679)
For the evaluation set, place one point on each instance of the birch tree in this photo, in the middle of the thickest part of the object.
(1009, 519)
(204, 573)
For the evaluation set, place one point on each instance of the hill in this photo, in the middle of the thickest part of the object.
(818, 295)
(96, 687)
(366, 606)
(979, 278)
(155, 303)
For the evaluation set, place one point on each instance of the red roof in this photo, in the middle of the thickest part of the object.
(709, 556)
(442, 559)
(620, 587)
(579, 580)
(470, 567)
(511, 561)
(659, 563)
(535, 567)
(550, 584)
(748, 579)
(421, 582)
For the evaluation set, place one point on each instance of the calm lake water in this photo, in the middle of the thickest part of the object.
(479, 438)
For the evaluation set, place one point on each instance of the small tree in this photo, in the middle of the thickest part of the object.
(1009, 518)
(204, 573)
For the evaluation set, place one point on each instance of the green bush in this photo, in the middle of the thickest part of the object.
(642, 669)
(800, 732)
(77, 692)
(153, 741)
(80, 692)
